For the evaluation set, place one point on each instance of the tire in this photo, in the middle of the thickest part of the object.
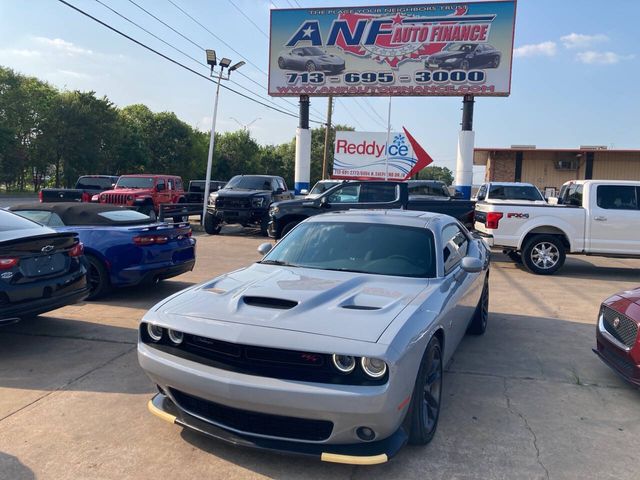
(211, 224)
(288, 227)
(464, 65)
(148, 210)
(264, 227)
(495, 62)
(480, 318)
(543, 254)
(281, 63)
(514, 256)
(427, 396)
(97, 278)
(310, 67)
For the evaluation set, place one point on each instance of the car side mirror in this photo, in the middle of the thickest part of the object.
(324, 202)
(278, 191)
(471, 264)
(304, 191)
(264, 248)
(457, 194)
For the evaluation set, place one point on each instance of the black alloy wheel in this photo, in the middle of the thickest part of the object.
(97, 278)
(480, 318)
(427, 396)
(495, 62)
(464, 64)
(281, 62)
(310, 66)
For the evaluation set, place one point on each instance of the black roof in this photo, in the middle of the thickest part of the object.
(79, 214)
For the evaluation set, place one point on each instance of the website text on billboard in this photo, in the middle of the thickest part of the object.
(411, 50)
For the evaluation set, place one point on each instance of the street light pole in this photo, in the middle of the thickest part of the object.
(211, 146)
(224, 63)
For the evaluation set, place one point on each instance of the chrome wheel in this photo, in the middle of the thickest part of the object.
(545, 255)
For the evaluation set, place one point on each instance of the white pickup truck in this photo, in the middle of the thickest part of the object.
(593, 217)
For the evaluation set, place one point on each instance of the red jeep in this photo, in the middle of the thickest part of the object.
(145, 192)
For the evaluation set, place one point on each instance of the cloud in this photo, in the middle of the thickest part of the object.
(579, 40)
(548, 49)
(20, 52)
(73, 74)
(62, 45)
(601, 58)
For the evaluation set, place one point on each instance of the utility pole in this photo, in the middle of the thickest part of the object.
(327, 132)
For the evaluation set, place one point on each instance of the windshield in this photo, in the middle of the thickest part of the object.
(135, 182)
(94, 183)
(248, 182)
(322, 187)
(313, 51)
(460, 47)
(514, 192)
(10, 221)
(358, 247)
(123, 215)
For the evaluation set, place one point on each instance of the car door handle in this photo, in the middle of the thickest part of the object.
(600, 219)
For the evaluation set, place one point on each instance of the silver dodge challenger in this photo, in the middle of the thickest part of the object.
(333, 345)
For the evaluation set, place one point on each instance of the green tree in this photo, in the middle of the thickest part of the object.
(436, 173)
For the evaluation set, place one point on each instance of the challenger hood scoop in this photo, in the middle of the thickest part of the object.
(339, 304)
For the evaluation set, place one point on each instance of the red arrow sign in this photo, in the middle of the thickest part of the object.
(423, 157)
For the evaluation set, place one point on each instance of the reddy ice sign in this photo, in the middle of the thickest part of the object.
(412, 50)
(363, 156)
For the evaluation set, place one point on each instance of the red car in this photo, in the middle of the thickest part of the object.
(145, 192)
(618, 343)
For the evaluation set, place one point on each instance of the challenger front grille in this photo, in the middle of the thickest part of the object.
(254, 422)
(115, 198)
(261, 361)
(625, 332)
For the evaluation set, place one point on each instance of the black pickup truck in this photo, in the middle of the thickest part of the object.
(369, 195)
(86, 187)
(196, 189)
(245, 199)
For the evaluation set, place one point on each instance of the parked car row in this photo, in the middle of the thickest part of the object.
(55, 254)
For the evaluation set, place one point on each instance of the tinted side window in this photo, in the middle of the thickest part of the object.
(346, 194)
(160, 182)
(617, 197)
(378, 193)
(455, 246)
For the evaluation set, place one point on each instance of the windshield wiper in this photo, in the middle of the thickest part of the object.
(277, 262)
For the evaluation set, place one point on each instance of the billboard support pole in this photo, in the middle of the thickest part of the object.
(464, 159)
(303, 148)
(327, 132)
(386, 166)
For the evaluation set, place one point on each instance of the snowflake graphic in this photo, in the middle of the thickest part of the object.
(399, 140)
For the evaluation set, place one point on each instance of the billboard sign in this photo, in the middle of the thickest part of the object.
(443, 49)
(363, 156)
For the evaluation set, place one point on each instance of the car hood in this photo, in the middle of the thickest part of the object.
(631, 295)
(445, 55)
(241, 193)
(338, 304)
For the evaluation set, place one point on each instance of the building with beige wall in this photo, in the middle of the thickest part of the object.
(549, 168)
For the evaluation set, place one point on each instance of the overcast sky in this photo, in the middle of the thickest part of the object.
(575, 71)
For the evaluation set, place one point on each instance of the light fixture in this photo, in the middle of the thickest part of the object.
(236, 66)
(211, 58)
(225, 62)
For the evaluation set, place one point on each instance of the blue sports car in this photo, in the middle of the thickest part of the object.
(123, 247)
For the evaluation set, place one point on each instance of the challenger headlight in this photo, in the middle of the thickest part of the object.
(344, 363)
(155, 332)
(212, 198)
(374, 367)
(175, 336)
(258, 202)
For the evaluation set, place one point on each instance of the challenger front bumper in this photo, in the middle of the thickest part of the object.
(371, 453)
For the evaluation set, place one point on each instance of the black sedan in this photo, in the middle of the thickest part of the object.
(40, 269)
(465, 56)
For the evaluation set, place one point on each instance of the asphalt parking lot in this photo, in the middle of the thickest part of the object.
(527, 400)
